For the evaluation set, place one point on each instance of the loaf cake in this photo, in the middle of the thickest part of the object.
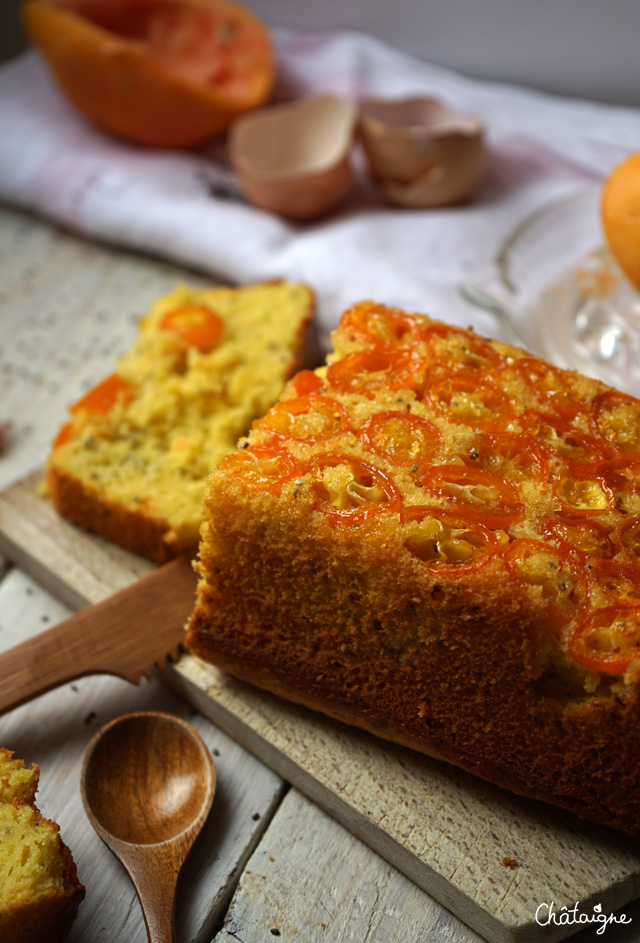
(131, 462)
(436, 537)
(39, 888)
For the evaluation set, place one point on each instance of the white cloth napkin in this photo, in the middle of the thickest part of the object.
(176, 204)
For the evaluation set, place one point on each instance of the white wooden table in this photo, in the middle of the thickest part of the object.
(270, 863)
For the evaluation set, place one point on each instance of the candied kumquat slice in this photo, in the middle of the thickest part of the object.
(582, 492)
(101, 399)
(608, 640)
(623, 477)
(196, 325)
(556, 570)
(551, 385)
(514, 457)
(401, 437)
(475, 494)
(558, 435)
(308, 418)
(306, 382)
(366, 371)
(461, 348)
(582, 534)
(261, 467)
(443, 541)
(628, 538)
(379, 326)
(616, 420)
(464, 399)
(540, 376)
(617, 580)
(348, 489)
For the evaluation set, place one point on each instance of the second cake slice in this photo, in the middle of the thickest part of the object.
(131, 462)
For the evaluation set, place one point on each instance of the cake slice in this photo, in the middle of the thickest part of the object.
(132, 461)
(39, 888)
(436, 537)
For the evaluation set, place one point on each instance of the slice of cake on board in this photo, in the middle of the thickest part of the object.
(436, 537)
(132, 461)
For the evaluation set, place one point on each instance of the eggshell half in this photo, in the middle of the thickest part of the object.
(294, 159)
(420, 152)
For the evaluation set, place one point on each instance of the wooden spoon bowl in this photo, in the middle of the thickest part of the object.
(148, 782)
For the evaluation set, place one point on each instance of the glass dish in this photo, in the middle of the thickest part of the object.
(556, 291)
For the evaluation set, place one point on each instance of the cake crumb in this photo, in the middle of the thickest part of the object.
(510, 862)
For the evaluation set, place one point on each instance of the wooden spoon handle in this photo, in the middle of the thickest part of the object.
(155, 878)
(125, 635)
(154, 870)
(156, 891)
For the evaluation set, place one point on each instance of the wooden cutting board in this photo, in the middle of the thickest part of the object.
(446, 830)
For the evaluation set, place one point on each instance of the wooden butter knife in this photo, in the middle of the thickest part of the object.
(126, 635)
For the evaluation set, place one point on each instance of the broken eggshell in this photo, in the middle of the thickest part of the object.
(420, 152)
(294, 159)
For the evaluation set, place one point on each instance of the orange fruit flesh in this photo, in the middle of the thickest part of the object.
(196, 40)
(159, 72)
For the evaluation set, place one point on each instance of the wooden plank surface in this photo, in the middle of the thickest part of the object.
(54, 732)
(311, 881)
(447, 831)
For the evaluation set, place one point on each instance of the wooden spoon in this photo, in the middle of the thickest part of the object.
(147, 785)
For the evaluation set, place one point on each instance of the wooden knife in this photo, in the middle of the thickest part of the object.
(126, 635)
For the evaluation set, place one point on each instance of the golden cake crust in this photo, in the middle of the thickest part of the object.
(137, 531)
(469, 678)
(442, 551)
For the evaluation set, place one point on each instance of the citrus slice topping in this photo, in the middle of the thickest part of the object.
(349, 490)
(195, 325)
(443, 541)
